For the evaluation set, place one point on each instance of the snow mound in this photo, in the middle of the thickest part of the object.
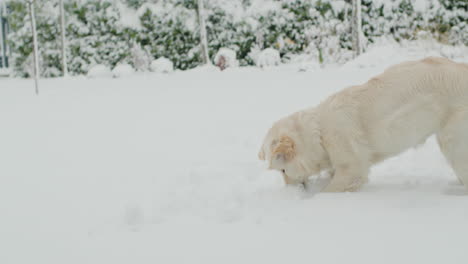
(391, 53)
(99, 71)
(226, 58)
(139, 58)
(378, 56)
(122, 70)
(267, 58)
(162, 65)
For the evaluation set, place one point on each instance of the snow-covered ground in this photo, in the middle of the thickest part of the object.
(162, 168)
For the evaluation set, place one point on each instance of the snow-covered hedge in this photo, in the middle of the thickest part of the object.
(162, 65)
(267, 58)
(122, 70)
(225, 58)
(137, 31)
(99, 71)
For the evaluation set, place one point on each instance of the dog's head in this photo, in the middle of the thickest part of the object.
(293, 147)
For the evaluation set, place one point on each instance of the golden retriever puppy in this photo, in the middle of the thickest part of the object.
(365, 124)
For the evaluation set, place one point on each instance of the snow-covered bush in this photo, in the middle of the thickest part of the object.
(403, 19)
(97, 34)
(94, 33)
(135, 3)
(99, 71)
(268, 57)
(226, 58)
(139, 58)
(122, 70)
(20, 39)
(162, 65)
(169, 31)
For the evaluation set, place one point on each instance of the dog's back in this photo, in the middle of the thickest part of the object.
(404, 105)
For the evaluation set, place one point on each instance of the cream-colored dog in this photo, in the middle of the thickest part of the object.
(365, 124)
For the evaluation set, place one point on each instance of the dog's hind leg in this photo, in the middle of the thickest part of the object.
(453, 142)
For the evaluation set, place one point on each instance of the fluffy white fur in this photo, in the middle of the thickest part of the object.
(365, 124)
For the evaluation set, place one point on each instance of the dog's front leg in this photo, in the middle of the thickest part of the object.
(347, 178)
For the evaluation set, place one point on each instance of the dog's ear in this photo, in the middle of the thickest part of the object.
(285, 150)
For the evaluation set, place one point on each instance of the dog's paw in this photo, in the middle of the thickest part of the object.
(353, 187)
(357, 184)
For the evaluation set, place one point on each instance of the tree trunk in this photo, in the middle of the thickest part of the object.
(357, 27)
(203, 37)
(35, 46)
(64, 43)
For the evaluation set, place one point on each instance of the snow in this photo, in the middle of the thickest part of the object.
(421, 5)
(122, 70)
(162, 65)
(162, 168)
(226, 58)
(4, 71)
(387, 52)
(128, 17)
(140, 58)
(338, 5)
(268, 57)
(99, 71)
